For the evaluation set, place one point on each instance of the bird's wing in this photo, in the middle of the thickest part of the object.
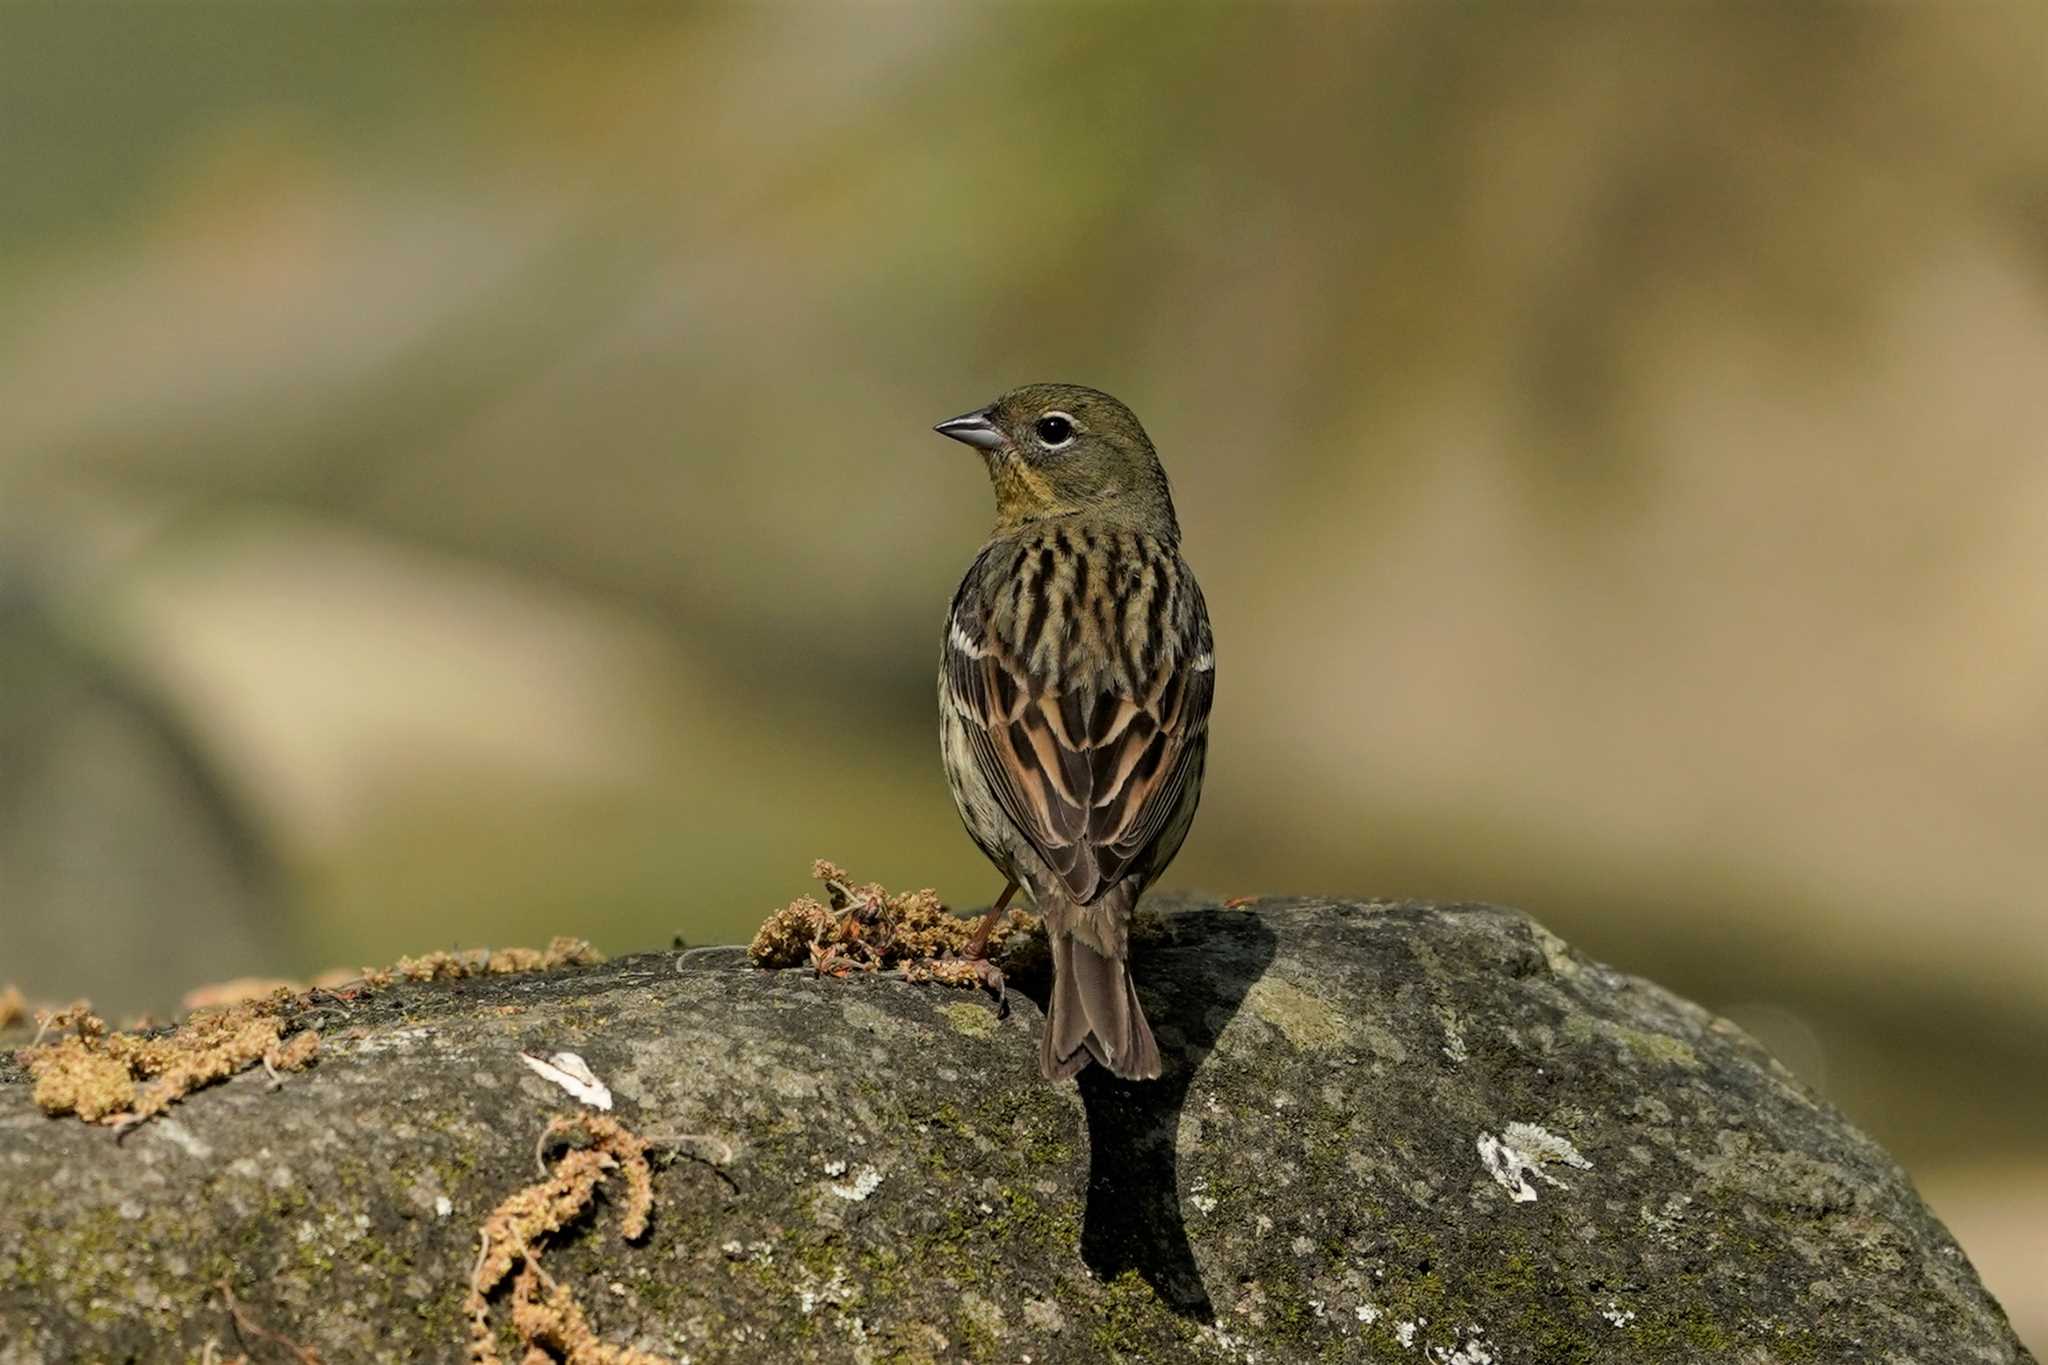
(1086, 705)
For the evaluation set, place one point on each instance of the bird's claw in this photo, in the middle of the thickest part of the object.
(963, 971)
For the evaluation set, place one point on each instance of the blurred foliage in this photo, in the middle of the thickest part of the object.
(467, 479)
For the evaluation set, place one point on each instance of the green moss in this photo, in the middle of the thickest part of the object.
(1702, 1333)
(1127, 1309)
(1025, 1218)
(980, 1342)
(1289, 1310)
(1550, 1311)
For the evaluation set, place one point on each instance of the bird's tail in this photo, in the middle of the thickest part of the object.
(1093, 1013)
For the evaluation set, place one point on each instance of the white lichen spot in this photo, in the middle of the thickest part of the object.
(443, 1206)
(733, 1250)
(835, 1169)
(1204, 1203)
(398, 1040)
(1473, 1352)
(1524, 1150)
(1454, 1033)
(1316, 1306)
(861, 1186)
(172, 1131)
(834, 1291)
(1301, 1246)
(1044, 1315)
(1368, 1313)
(1404, 1332)
(1666, 1219)
(1233, 1348)
(1619, 1316)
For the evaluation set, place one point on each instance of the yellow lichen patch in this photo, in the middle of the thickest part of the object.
(441, 966)
(1308, 1022)
(72, 1077)
(76, 1015)
(545, 1314)
(1661, 1048)
(970, 1019)
(294, 1055)
(436, 966)
(785, 937)
(237, 991)
(124, 1078)
(865, 927)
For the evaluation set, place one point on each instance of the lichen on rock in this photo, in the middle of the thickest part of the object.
(124, 1078)
(891, 1180)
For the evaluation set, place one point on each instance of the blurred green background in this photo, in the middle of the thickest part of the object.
(464, 477)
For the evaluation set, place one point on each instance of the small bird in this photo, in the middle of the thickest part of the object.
(1074, 690)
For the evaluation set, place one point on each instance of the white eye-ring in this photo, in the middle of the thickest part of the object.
(1053, 429)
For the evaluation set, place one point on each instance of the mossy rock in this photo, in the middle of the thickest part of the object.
(1401, 1133)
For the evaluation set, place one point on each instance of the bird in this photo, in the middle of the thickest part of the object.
(1075, 681)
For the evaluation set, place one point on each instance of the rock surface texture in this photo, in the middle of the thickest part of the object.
(1388, 1132)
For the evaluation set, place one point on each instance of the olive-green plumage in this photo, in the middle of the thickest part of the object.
(1074, 690)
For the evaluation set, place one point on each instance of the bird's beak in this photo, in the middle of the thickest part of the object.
(974, 428)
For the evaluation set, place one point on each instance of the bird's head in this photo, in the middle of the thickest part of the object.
(1054, 450)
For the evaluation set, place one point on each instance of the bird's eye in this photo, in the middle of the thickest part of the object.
(1054, 429)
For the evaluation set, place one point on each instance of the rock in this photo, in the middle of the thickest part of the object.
(1388, 1133)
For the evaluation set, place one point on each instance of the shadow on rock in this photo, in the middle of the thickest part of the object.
(1192, 979)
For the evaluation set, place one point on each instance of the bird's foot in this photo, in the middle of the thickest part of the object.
(962, 971)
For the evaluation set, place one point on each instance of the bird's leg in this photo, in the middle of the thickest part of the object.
(971, 964)
(987, 973)
(978, 945)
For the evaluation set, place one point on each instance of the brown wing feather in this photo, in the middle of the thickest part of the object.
(1093, 758)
